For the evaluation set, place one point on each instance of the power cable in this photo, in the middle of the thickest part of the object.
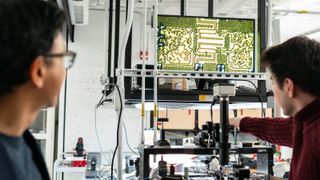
(118, 127)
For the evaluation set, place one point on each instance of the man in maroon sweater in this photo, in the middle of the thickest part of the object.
(295, 71)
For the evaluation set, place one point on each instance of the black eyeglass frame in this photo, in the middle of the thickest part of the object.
(70, 54)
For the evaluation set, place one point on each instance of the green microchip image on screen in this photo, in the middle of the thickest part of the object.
(214, 44)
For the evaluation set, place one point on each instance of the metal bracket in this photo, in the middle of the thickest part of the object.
(195, 74)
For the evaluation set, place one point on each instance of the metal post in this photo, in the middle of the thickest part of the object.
(224, 145)
(126, 32)
(210, 8)
(182, 7)
(155, 76)
(116, 40)
(108, 64)
(262, 25)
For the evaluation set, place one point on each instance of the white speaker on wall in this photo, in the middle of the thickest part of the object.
(79, 11)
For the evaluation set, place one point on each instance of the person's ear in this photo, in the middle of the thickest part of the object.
(38, 72)
(289, 87)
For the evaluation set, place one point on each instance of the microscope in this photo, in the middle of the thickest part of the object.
(224, 91)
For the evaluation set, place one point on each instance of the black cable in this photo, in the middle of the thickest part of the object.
(263, 112)
(100, 101)
(235, 132)
(118, 127)
(214, 100)
(236, 135)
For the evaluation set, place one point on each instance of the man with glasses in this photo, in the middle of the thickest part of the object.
(33, 63)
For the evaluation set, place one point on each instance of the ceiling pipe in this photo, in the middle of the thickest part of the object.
(279, 10)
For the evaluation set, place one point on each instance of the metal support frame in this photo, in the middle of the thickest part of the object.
(262, 26)
(110, 19)
(224, 144)
(196, 120)
(182, 8)
(121, 72)
(210, 8)
(192, 96)
(192, 74)
(117, 39)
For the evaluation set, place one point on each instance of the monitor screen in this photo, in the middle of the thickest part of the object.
(206, 44)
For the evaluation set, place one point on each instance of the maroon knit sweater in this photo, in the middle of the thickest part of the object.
(301, 132)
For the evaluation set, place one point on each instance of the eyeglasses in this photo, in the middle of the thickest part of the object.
(68, 58)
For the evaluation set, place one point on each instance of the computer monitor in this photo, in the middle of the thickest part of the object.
(192, 43)
(206, 44)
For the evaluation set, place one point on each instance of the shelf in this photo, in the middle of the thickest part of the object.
(202, 96)
(193, 74)
(199, 106)
(192, 96)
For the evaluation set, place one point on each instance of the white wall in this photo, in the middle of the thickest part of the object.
(293, 25)
(84, 91)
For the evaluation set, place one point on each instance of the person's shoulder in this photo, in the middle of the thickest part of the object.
(313, 124)
(3, 146)
(312, 130)
(6, 165)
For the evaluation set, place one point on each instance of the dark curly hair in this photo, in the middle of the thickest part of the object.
(27, 29)
(298, 59)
